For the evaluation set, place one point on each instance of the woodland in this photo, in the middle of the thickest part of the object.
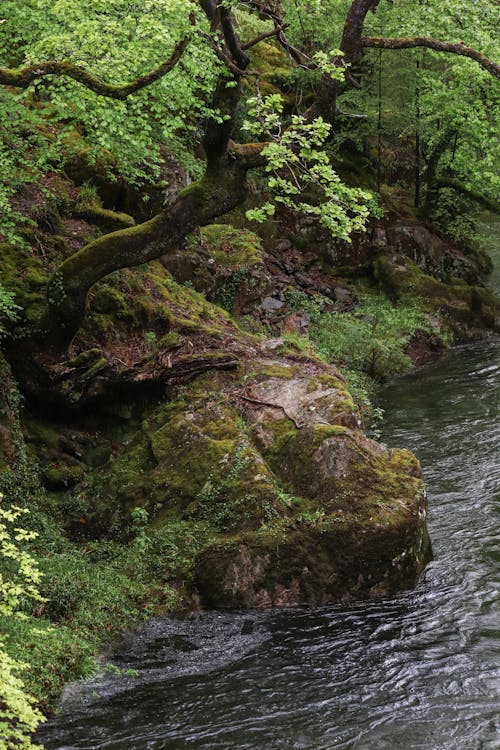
(222, 223)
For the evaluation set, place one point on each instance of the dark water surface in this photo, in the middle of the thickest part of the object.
(418, 671)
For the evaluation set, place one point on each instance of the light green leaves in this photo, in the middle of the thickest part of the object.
(300, 175)
(19, 579)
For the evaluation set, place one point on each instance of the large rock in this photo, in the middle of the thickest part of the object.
(271, 459)
(226, 264)
(267, 461)
(353, 520)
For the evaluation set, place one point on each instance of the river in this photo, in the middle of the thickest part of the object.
(418, 671)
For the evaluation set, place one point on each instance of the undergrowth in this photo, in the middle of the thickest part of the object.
(373, 338)
(92, 591)
(369, 344)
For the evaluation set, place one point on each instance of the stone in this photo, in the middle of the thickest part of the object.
(379, 238)
(271, 303)
(283, 244)
(296, 323)
(342, 294)
(273, 345)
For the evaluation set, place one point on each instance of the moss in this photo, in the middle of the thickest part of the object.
(62, 477)
(232, 247)
(24, 274)
(188, 450)
(390, 280)
(461, 303)
(130, 301)
(276, 370)
(275, 72)
(109, 301)
(240, 275)
(85, 358)
(108, 221)
(338, 558)
(41, 434)
(168, 341)
(322, 431)
(282, 431)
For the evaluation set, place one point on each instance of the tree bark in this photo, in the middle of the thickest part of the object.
(222, 188)
(424, 41)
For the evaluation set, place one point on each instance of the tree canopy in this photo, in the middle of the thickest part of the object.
(130, 78)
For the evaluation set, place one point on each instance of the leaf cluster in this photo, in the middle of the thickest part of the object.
(299, 173)
(19, 582)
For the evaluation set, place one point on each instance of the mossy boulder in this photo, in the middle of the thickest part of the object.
(298, 506)
(225, 263)
(315, 562)
(352, 517)
(467, 309)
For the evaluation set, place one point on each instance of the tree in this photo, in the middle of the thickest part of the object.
(206, 35)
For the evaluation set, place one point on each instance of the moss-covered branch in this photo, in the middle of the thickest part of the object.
(218, 192)
(434, 44)
(454, 184)
(249, 155)
(25, 76)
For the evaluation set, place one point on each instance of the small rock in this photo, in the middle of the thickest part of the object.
(247, 627)
(379, 238)
(301, 279)
(273, 344)
(283, 244)
(296, 323)
(270, 303)
(342, 294)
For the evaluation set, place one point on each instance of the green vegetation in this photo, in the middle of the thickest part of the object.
(19, 582)
(372, 339)
(8, 309)
(149, 445)
(88, 592)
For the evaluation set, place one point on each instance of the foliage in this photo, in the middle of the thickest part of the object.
(19, 581)
(297, 165)
(427, 93)
(43, 128)
(8, 309)
(118, 42)
(417, 93)
(371, 340)
(21, 157)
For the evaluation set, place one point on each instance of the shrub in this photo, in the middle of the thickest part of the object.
(19, 579)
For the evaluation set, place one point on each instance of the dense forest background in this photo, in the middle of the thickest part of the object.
(221, 223)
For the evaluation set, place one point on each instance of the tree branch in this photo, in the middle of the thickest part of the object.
(223, 57)
(24, 77)
(231, 38)
(459, 187)
(222, 188)
(248, 155)
(423, 41)
(260, 38)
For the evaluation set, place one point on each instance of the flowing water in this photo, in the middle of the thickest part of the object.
(418, 671)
